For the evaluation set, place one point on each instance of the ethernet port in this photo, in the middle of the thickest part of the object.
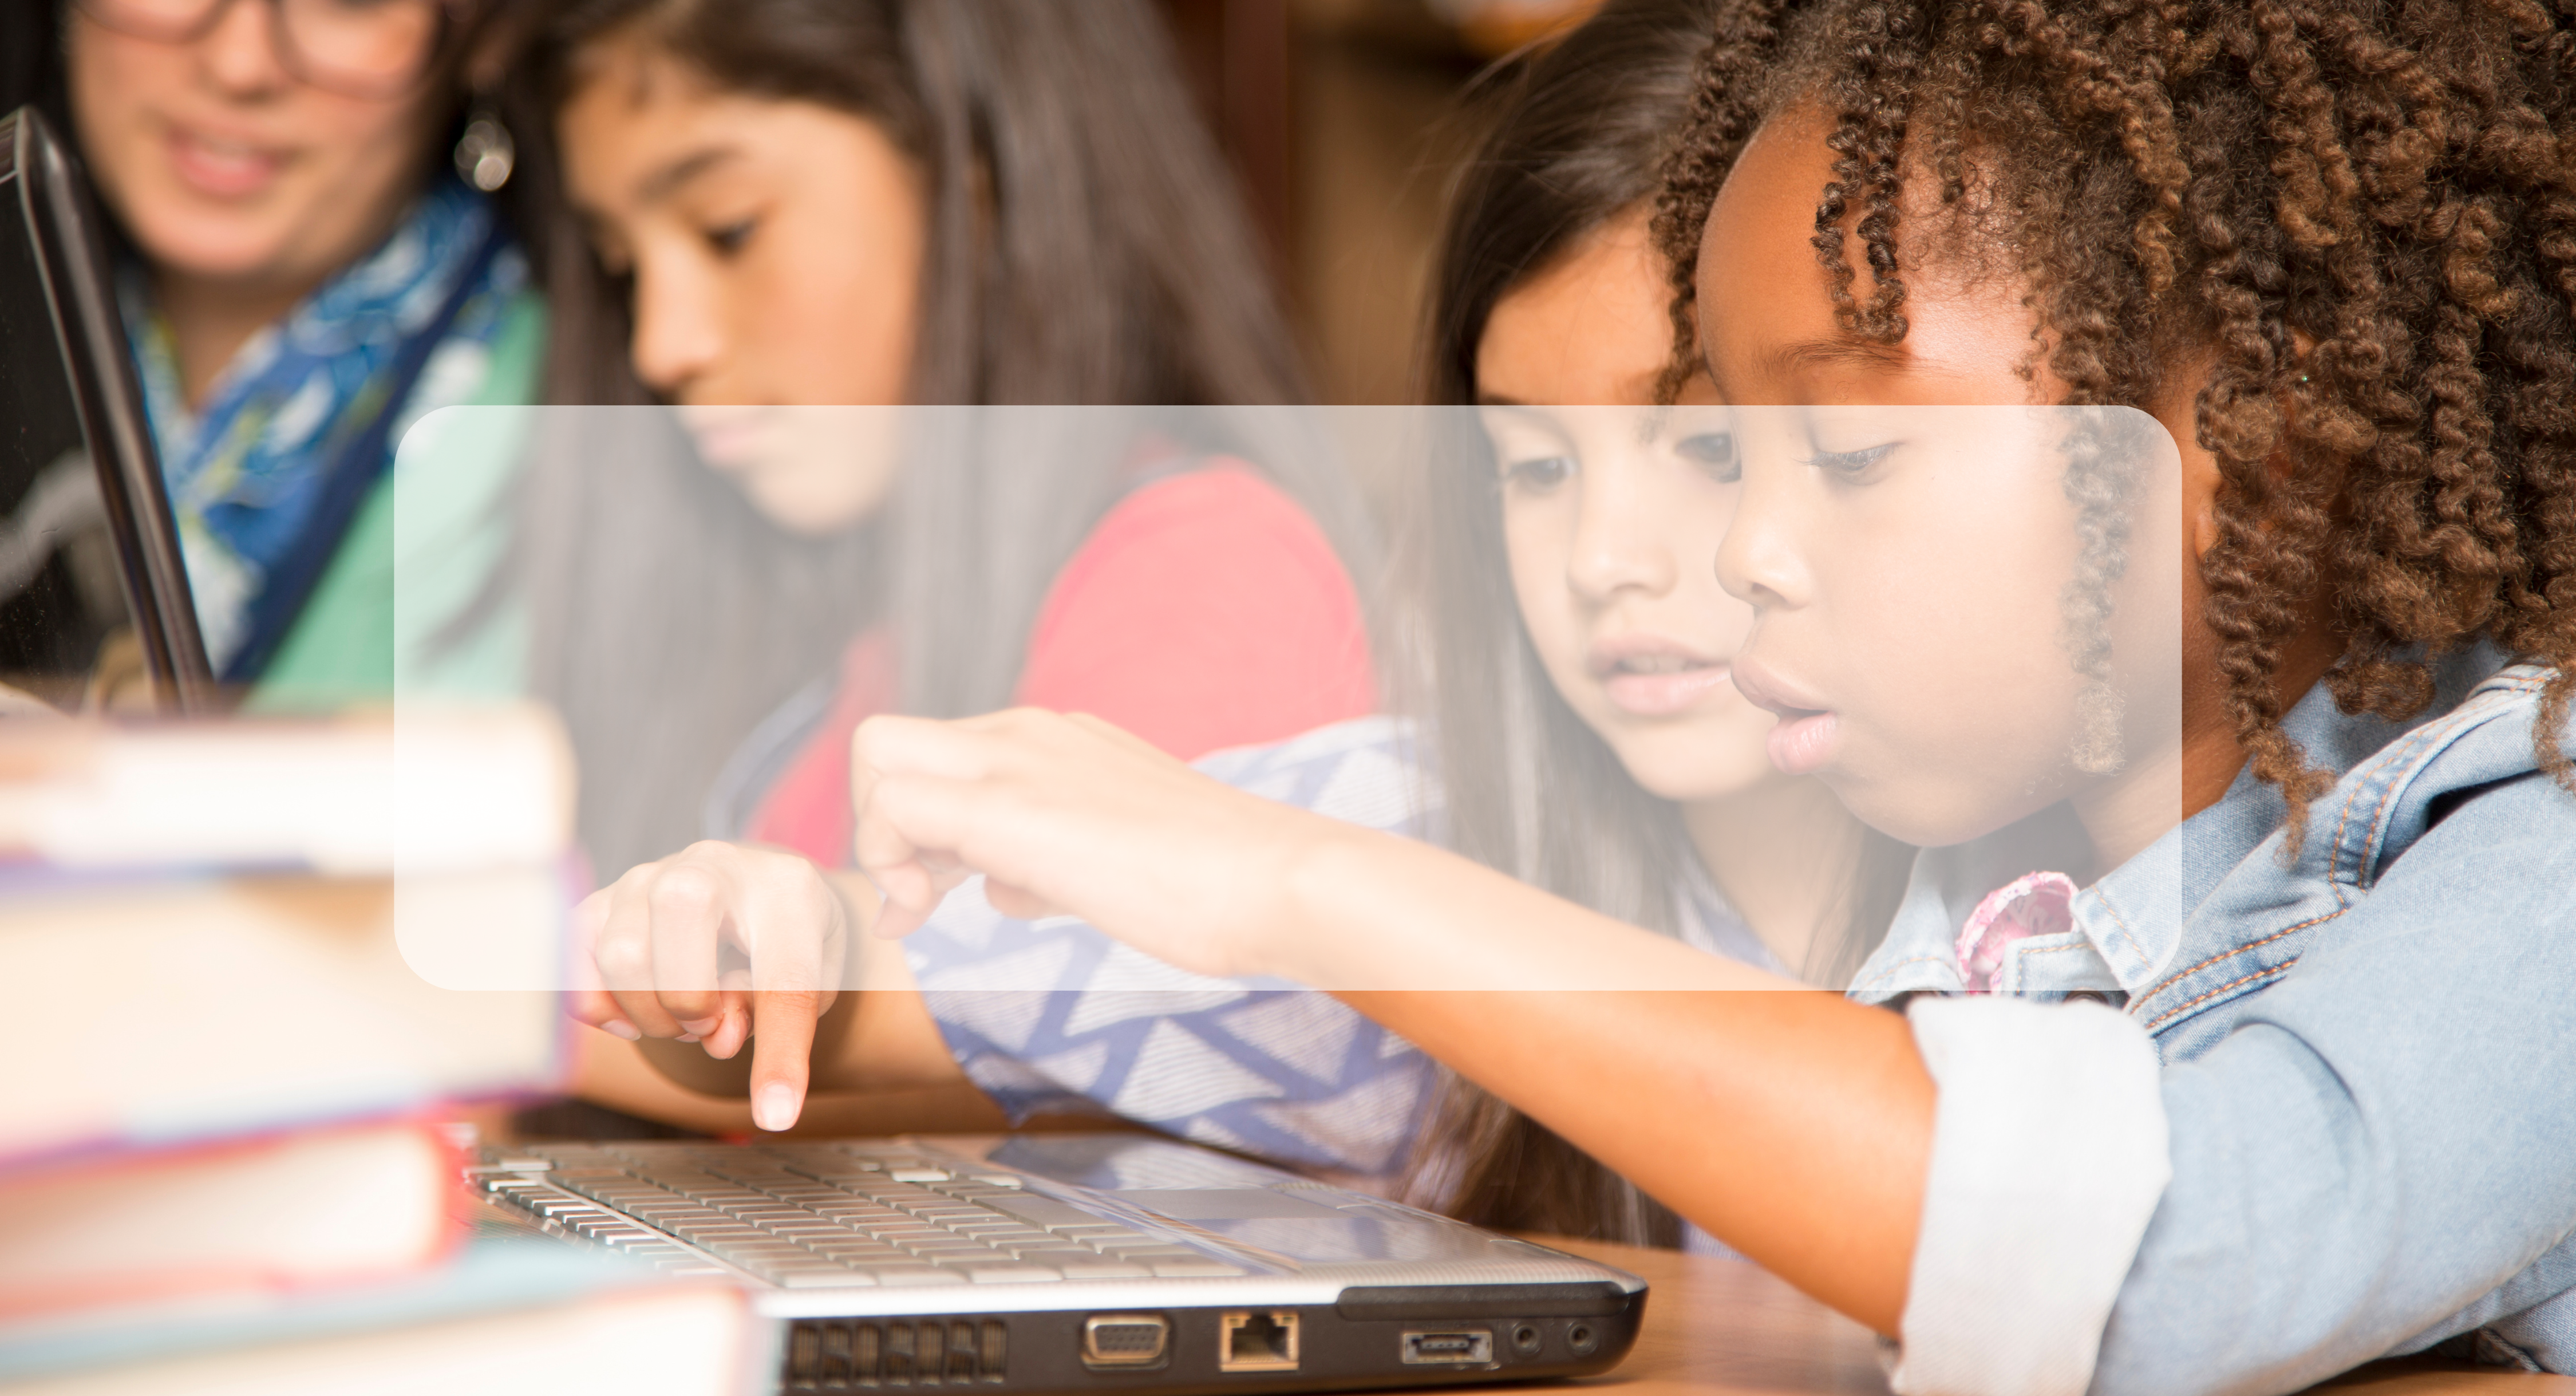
(1260, 1341)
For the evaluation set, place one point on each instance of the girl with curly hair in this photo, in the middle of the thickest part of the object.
(2312, 937)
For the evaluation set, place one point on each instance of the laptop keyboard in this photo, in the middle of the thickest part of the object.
(816, 1217)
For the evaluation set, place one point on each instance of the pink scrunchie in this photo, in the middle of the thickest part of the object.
(2034, 904)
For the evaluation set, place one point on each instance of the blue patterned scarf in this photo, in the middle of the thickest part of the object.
(246, 471)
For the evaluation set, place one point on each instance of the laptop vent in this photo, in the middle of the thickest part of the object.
(863, 1355)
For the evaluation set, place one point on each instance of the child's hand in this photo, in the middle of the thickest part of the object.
(1070, 815)
(718, 944)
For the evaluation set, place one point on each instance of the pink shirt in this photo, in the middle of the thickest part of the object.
(1205, 611)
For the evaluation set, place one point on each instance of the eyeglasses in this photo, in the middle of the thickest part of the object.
(358, 48)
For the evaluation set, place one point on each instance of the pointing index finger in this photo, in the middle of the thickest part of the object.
(782, 1026)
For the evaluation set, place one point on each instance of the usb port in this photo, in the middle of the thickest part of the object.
(1465, 1347)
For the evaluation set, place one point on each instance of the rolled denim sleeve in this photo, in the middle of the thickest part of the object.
(2381, 1152)
(2048, 1157)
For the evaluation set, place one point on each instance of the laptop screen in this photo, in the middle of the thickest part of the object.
(84, 529)
(60, 598)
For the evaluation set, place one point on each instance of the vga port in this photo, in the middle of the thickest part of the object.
(1124, 1340)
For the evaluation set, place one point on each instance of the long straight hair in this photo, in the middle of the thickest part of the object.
(1085, 246)
(1529, 788)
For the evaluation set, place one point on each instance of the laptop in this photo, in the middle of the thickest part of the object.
(1045, 1263)
(91, 582)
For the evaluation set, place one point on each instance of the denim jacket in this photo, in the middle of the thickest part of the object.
(2359, 1060)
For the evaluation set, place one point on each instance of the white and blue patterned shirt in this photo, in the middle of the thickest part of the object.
(1052, 1016)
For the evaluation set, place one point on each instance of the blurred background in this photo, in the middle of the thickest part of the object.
(1345, 120)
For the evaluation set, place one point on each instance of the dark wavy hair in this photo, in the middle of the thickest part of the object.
(2360, 215)
(1085, 247)
(1579, 131)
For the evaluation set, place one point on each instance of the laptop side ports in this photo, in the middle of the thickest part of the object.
(1259, 1341)
(1125, 1340)
(1463, 1347)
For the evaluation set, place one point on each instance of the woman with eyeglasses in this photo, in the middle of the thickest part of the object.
(306, 279)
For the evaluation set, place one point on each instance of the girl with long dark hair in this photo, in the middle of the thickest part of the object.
(1586, 735)
(781, 211)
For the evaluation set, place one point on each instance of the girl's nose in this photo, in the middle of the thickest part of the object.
(240, 53)
(1621, 539)
(678, 341)
(1760, 560)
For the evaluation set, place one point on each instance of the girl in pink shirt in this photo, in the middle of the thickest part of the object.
(1205, 611)
(810, 228)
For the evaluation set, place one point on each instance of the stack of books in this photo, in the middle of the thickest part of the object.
(230, 957)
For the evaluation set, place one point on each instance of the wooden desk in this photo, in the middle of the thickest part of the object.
(1723, 1326)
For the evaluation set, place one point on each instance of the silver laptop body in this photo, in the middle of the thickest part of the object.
(1077, 1263)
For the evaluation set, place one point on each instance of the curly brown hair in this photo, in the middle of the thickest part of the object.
(2358, 219)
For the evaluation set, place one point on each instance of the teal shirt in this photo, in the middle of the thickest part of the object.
(420, 553)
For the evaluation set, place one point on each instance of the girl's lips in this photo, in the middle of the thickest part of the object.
(1662, 695)
(1650, 676)
(1801, 746)
(730, 438)
(223, 168)
(1804, 738)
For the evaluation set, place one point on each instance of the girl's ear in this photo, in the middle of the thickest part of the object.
(2199, 497)
(2200, 478)
(2200, 481)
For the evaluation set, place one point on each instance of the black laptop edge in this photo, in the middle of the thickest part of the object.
(63, 225)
